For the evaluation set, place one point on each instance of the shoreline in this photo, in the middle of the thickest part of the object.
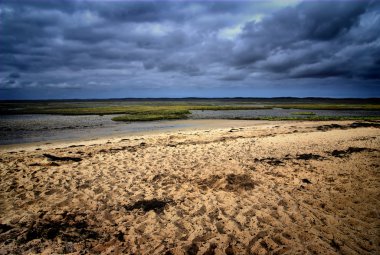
(193, 125)
(40, 128)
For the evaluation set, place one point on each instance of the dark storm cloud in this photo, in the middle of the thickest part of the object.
(14, 75)
(314, 39)
(158, 44)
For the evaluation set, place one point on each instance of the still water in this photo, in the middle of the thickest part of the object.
(38, 128)
(276, 112)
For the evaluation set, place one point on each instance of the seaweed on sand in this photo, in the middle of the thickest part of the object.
(56, 158)
(155, 205)
(350, 150)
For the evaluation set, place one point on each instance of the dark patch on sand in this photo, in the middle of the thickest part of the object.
(242, 181)
(230, 182)
(75, 146)
(120, 236)
(211, 249)
(335, 245)
(270, 161)
(306, 181)
(148, 205)
(229, 250)
(35, 164)
(350, 150)
(72, 228)
(365, 124)
(115, 149)
(330, 127)
(353, 125)
(4, 228)
(56, 158)
(193, 249)
(281, 161)
(127, 148)
(309, 156)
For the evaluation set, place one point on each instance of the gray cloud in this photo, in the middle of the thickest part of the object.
(315, 40)
(87, 44)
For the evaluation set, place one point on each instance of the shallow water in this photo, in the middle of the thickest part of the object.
(30, 128)
(38, 127)
(276, 112)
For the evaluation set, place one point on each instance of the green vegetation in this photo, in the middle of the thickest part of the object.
(147, 113)
(160, 109)
(303, 113)
(329, 106)
(131, 112)
(149, 117)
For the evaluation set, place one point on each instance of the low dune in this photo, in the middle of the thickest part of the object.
(288, 188)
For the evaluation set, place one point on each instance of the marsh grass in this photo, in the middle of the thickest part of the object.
(145, 110)
(148, 117)
(148, 113)
(328, 106)
(303, 113)
(131, 112)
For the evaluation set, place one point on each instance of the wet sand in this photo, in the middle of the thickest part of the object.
(272, 188)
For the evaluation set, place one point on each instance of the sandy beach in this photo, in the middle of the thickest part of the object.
(273, 188)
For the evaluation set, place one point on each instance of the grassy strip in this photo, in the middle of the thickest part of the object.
(118, 110)
(148, 117)
(102, 108)
(143, 109)
(228, 107)
(149, 113)
(135, 109)
(138, 109)
(133, 112)
(368, 107)
(303, 113)
(150, 110)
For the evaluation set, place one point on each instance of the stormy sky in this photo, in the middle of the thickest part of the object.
(116, 49)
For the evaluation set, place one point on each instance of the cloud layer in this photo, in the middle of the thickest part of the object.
(188, 46)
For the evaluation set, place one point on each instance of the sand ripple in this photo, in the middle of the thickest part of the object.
(270, 189)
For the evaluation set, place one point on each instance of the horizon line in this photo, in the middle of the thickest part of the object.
(185, 98)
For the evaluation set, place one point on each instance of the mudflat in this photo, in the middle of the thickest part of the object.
(275, 188)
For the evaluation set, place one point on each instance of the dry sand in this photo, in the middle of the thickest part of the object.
(289, 188)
